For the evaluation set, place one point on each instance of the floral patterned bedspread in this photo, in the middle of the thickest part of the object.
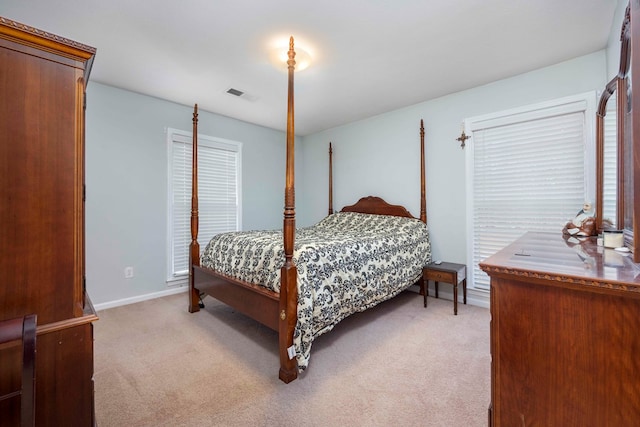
(346, 263)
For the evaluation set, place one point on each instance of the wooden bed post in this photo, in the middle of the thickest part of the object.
(288, 285)
(330, 179)
(423, 197)
(194, 247)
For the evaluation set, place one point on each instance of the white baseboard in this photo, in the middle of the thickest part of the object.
(474, 297)
(140, 298)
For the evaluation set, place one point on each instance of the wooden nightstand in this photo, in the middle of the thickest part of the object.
(447, 272)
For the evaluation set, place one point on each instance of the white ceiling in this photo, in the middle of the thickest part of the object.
(369, 56)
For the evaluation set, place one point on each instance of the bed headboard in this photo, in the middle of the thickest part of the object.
(376, 205)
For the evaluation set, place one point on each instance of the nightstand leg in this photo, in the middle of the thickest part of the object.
(425, 289)
(455, 299)
(464, 290)
(436, 286)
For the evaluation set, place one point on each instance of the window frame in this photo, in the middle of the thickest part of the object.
(584, 102)
(204, 142)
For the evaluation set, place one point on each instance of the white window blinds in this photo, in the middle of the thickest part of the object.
(528, 172)
(610, 183)
(218, 193)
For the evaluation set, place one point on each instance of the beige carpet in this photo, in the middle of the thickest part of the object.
(396, 364)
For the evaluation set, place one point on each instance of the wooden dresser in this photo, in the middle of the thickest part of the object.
(42, 266)
(565, 334)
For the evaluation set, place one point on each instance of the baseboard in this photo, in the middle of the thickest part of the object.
(477, 298)
(474, 297)
(140, 298)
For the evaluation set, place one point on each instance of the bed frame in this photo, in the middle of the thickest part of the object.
(277, 311)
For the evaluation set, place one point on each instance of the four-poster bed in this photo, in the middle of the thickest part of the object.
(301, 282)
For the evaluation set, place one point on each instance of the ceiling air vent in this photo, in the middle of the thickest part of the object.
(242, 95)
(235, 92)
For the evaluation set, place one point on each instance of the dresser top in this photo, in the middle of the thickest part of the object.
(549, 256)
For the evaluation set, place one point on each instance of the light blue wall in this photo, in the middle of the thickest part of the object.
(380, 155)
(126, 168)
(126, 178)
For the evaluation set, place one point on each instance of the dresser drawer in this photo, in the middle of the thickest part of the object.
(440, 276)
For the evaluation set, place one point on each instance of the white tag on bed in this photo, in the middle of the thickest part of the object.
(292, 352)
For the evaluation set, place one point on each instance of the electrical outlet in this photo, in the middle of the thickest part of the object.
(128, 272)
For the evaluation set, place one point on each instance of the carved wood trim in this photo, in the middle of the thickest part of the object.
(288, 286)
(45, 43)
(376, 205)
(25, 32)
(562, 279)
(194, 246)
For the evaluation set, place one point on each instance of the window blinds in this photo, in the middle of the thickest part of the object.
(218, 194)
(610, 177)
(528, 175)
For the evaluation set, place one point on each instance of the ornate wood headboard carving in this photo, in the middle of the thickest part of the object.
(376, 205)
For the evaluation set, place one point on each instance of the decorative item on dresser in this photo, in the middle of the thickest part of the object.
(42, 96)
(304, 298)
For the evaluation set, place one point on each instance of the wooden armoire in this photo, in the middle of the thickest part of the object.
(42, 268)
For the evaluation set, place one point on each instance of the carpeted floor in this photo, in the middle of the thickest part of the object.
(396, 364)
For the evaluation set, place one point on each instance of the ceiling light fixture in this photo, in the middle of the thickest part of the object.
(278, 56)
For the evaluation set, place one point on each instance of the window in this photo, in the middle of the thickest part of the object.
(219, 172)
(530, 169)
(610, 178)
